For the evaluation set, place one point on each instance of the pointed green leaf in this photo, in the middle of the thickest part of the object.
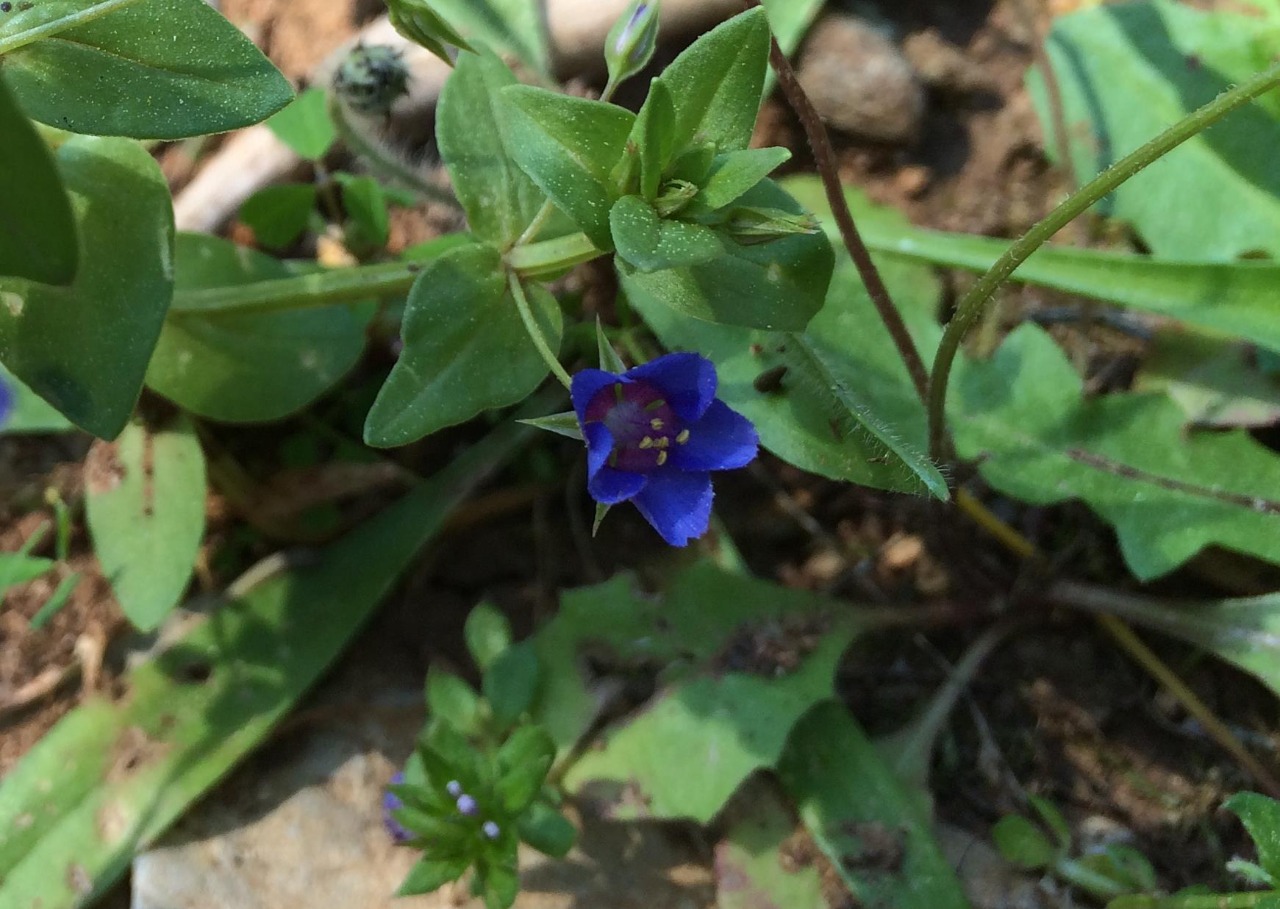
(716, 83)
(431, 874)
(568, 147)
(733, 175)
(510, 27)
(465, 348)
(547, 830)
(509, 682)
(498, 198)
(609, 359)
(37, 230)
(156, 69)
(250, 367)
(487, 631)
(649, 243)
(84, 348)
(145, 507)
(654, 135)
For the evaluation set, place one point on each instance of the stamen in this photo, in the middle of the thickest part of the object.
(682, 437)
(662, 457)
(662, 442)
(656, 424)
(646, 442)
(655, 405)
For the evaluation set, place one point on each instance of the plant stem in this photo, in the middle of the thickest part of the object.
(383, 161)
(547, 257)
(341, 285)
(825, 159)
(970, 308)
(535, 332)
(527, 235)
(1193, 901)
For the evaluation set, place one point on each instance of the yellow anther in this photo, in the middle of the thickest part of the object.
(655, 405)
(662, 458)
(661, 442)
(682, 437)
(646, 442)
(656, 424)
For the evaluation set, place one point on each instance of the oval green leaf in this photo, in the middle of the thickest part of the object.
(253, 367)
(84, 348)
(156, 69)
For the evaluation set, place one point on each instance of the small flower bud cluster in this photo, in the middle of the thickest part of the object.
(468, 807)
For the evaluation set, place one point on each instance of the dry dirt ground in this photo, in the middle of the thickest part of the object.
(1059, 711)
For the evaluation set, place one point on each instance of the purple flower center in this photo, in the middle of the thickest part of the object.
(642, 423)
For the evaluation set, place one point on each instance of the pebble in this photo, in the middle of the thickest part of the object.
(860, 82)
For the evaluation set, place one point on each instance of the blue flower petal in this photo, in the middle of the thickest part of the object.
(721, 440)
(677, 504)
(610, 486)
(687, 380)
(585, 386)
(599, 447)
(6, 402)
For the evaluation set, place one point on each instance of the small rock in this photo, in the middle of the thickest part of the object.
(860, 82)
(941, 64)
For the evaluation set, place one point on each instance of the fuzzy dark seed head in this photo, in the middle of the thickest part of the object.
(372, 78)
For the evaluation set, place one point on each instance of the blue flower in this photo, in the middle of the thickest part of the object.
(6, 402)
(390, 804)
(654, 434)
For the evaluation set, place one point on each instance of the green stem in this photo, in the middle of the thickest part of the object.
(970, 308)
(534, 260)
(384, 162)
(62, 23)
(1193, 901)
(535, 332)
(1084, 877)
(343, 285)
(540, 219)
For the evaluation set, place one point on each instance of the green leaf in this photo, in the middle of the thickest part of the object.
(156, 69)
(279, 214)
(1125, 73)
(716, 83)
(608, 358)
(499, 200)
(144, 501)
(568, 147)
(430, 874)
(1261, 817)
(753, 868)
(31, 413)
(523, 762)
(1238, 298)
(863, 818)
(19, 568)
(186, 736)
(1022, 415)
(252, 367)
(1022, 843)
(513, 27)
(777, 285)
(649, 243)
(500, 885)
(733, 175)
(452, 700)
(510, 682)
(305, 126)
(1215, 383)
(487, 631)
(653, 136)
(84, 348)
(369, 220)
(37, 230)
(843, 405)
(465, 348)
(562, 424)
(547, 830)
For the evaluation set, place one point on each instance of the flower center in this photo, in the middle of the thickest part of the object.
(643, 425)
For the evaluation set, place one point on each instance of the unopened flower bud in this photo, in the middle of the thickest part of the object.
(372, 78)
(454, 788)
(749, 225)
(632, 40)
(674, 195)
(467, 805)
(490, 829)
(390, 804)
(420, 24)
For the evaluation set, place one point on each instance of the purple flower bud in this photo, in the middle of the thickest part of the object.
(454, 788)
(390, 803)
(490, 829)
(467, 805)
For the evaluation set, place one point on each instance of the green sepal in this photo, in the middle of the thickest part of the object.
(734, 174)
(609, 359)
(563, 424)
